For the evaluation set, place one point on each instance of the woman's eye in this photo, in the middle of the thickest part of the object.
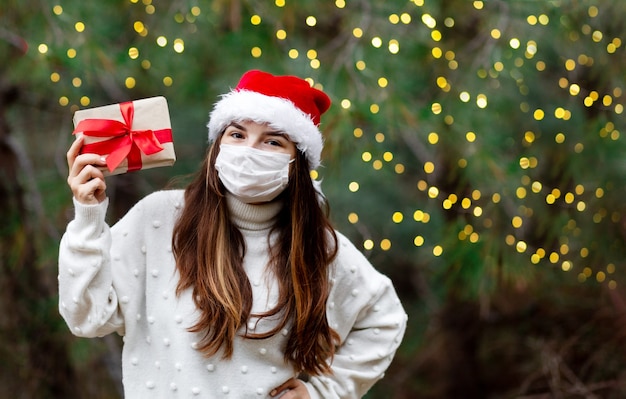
(236, 135)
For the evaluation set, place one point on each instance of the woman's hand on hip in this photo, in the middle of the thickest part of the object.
(293, 388)
(85, 179)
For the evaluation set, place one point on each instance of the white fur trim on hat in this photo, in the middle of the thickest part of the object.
(281, 114)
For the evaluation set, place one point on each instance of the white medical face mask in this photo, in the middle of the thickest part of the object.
(252, 175)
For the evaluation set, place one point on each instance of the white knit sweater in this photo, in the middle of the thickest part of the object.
(123, 279)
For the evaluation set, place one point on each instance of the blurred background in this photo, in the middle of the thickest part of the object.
(474, 152)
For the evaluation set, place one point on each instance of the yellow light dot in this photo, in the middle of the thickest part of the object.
(521, 246)
(357, 132)
(281, 34)
(429, 21)
(405, 18)
(366, 156)
(437, 250)
(385, 244)
(168, 81)
(311, 20)
(436, 35)
(433, 192)
(138, 26)
(79, 26)
(429, 167)
(353, 187)
(360, 65)
(394, 19)
(559, 138)
(436, 108)
(466, 203)
(397, 217)
(42, 48)
(538, 114)
(574, 89)
(418, 216)
(368, 244)
(256, 52)
(481, 101)
(357, 32)
(596, 36)
(353, 218)
(394, 46)
(314, 174)
(517, 222)
(566, 266)
(130, 82)
(55, 77)
(161, 41)
(255, 20)
(433, 138)
(77, 82)
(383, 82)
(399, 168)
(195, 11)
(133, 53)
(63, 101)
(179, 45)
(345, 103)
(464, 96)
(84, 101)
(600, 276)
(418, 241)
(388, 156)
(377, 164)
(145, 64)
(293, 53)
(374, 108)
(470, 137)
(554, 257)
(495, 33)
(71, 53)
(570, 64)
(379, 137)
(377, 42)
(514, 43)
(57, 10)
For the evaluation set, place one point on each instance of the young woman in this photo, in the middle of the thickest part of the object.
(237, 286)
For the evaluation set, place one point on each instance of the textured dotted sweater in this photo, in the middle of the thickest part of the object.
(123, 279)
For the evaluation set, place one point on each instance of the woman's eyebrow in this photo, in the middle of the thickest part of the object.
(236, 126)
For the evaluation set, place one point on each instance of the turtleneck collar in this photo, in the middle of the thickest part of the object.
(252, 217)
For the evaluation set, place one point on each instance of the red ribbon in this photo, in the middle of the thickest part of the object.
(126, 143)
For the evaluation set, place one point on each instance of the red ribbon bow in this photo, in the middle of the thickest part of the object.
(126, 143)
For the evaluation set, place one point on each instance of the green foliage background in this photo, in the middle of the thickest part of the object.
(474, 151)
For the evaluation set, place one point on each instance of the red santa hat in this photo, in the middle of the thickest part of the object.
(286, 103)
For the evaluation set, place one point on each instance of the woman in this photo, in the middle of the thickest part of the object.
(238, 286)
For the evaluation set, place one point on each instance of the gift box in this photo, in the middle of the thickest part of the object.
(131, 135)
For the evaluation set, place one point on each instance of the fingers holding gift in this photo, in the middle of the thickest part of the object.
(88, 185)
(85, 179)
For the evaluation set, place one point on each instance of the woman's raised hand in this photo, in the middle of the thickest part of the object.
(84, 178)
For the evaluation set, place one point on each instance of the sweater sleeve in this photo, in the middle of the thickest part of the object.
(365, 310)
(87, 300)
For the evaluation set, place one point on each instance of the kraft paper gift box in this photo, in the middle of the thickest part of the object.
(131, 135)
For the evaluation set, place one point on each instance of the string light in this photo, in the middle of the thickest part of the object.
(516, 59)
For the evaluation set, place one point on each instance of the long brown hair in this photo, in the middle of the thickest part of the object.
(209, 251)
